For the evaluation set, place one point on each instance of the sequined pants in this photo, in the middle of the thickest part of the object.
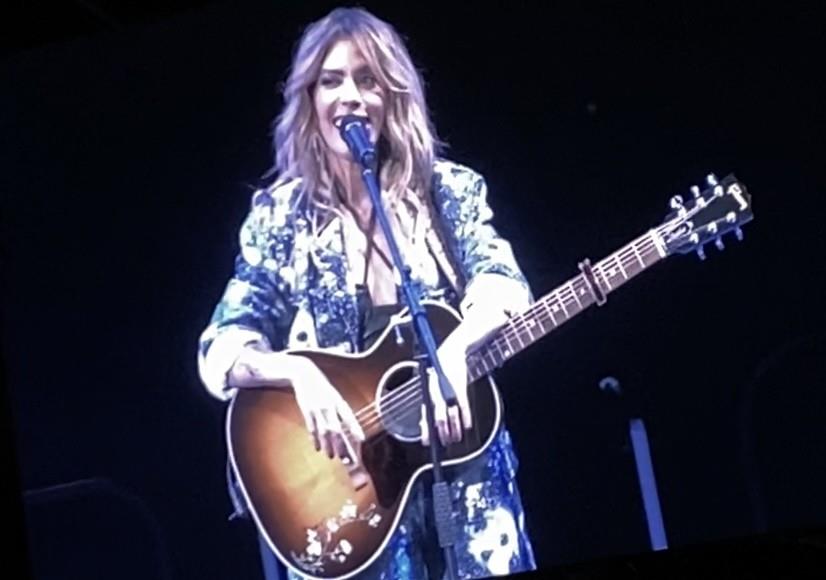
(492, 539)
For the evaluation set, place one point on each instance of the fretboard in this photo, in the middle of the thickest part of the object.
(562, 304)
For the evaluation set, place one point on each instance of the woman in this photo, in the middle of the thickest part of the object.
(314, 271)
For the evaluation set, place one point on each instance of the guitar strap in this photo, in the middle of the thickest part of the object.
(437, 250)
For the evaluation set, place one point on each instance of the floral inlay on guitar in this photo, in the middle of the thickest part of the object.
(322, 546)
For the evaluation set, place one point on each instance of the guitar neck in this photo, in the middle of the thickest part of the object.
(562, 304)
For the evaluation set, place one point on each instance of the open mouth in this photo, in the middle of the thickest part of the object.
(337, 120)
(367, 124)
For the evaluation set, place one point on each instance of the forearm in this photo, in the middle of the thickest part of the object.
(240, 357)
(491, 299)
(257, 366)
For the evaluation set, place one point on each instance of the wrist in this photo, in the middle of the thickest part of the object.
(257, 366)
(479, 323)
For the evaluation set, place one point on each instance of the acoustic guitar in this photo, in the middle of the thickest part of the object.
(325, 518)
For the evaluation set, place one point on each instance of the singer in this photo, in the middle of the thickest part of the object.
(314, 272)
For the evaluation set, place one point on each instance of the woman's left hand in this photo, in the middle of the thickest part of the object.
(450, 421)
(477, 325)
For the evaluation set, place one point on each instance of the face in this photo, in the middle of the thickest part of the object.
(347, 86)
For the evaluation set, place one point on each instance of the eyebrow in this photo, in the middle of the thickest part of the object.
(340, 72)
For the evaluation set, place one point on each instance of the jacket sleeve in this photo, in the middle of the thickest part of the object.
(254, 307)
(493, 276)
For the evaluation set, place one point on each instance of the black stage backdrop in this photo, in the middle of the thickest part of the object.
(132, 141)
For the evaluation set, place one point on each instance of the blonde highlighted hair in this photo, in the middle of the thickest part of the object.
(408, 144)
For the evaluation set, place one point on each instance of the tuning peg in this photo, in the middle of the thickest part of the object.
(701, 253)
(711, 179)
(677, 202)
(719, 243)
(695, 191)
(739, 233)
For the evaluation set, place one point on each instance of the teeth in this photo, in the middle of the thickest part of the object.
(337, 122)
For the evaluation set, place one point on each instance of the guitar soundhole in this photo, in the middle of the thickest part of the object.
(400, 401)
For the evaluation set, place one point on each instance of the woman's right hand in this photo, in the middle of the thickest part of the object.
(328, 417)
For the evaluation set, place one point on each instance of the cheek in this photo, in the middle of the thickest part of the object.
(376, 106)
(321, 103)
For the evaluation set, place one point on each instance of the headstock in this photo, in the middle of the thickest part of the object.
(722, 207)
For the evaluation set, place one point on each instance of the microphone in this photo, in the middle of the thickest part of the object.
(354, 132)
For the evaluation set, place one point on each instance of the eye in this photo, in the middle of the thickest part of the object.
(328, 81)
(368, 81)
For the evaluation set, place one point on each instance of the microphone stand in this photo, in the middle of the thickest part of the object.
(425, 354)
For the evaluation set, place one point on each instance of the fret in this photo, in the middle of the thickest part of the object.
(604, 278)
(637, 254)
(489, 351)
(545, 301)
(529, 323)
(591, 286)
(477, 366)
(498, 346)
(584, 292)
(610, 271)
(508, 348)
(573, 291)
(488, 366)
(658, 243)
(485, 366)
(538, 320)
(518, 334)
(619, 263)
(562, 303)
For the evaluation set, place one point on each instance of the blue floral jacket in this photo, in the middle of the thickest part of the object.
(293, 289)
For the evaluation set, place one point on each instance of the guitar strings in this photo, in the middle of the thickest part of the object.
(400, 398)
(408, 395)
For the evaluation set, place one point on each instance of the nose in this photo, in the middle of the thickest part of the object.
(350, 93)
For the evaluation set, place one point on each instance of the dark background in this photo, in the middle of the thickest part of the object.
(132, 139)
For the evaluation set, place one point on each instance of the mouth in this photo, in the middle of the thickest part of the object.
(338, 118)
(364, 118)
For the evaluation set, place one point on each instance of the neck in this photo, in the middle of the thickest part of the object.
(347, 175)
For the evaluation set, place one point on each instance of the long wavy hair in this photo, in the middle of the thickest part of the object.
(408, 144)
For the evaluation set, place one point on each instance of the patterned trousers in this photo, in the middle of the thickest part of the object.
(492, 539)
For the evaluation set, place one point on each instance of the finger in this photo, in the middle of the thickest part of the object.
(441, 426)
(337, 437)
(464, 408)
(350, 420)
(454, 424)
(351, 431)
(440, 414)
(439, 409)
(423, 428)
(309, 422)
(350, 450)
(324, 434)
